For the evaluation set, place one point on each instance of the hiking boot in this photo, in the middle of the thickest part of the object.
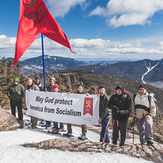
(54, 128)
(41, 123)
(21, 123)
(68, 135)
(34, 127)
(44, 125)
(61, 130)
(82, 137)
(55, 132)
(121, 145)
(149, 143)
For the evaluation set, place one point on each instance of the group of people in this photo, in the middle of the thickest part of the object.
(117, 108)
(120, 106)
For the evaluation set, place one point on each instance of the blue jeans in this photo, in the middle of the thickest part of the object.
(56, 125)
(104, 135)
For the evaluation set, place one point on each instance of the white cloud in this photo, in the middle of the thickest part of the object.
(7, 42)
(128, 12)
(59, 8)
(93, 43)
(93, 48)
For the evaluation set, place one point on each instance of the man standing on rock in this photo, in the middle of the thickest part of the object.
(120, 103)
(104, 115)
(32, 87)
(145, 109)
(15, 94)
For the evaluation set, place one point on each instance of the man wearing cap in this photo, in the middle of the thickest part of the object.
(56, 128)
(104, 115)
(51, 85)
(15, 94)
(144, 111)
(120, 103)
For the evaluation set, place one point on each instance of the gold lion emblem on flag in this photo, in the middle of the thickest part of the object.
(88, 106)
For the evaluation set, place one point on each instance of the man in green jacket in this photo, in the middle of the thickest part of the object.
(15, 94)
(104, 115)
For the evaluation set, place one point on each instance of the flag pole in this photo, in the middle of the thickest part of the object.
(43, 63)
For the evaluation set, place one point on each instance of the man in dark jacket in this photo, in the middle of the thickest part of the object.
(49, 88)
(104, 115)
(15, 94)
(120, 103)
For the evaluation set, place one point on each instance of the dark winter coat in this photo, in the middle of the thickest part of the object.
(104, 111)
(120, 105)
(16, 92)
(80, 92)
(40, 86)
(49, 88)
(33, 87)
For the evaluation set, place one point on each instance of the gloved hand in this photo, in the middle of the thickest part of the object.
(115, 111)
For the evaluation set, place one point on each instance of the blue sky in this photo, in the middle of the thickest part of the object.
(110, 29)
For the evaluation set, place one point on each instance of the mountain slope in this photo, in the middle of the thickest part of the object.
(128, 70)
(93, 81)
(58, 63)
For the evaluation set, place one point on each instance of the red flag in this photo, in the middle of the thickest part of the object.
(34, 19)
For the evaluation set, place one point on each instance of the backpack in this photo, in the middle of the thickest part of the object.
(149, 98)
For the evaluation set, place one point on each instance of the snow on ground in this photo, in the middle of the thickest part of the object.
(12, 152)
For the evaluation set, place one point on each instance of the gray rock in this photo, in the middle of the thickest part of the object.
(65, 144)
(7, 121)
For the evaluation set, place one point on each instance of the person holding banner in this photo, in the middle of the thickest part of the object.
(49, 88)
(104, 115)
(37, 82)
(51, 85)
(33, 87)
(84, 127)
(56, 128)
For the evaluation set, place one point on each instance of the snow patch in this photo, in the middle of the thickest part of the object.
(149, 68)
(11, 150)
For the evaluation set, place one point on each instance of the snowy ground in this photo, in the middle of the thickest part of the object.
(12, 152)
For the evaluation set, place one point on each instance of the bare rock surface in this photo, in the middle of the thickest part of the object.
(152, 153)
(65, 144)
(7, 121)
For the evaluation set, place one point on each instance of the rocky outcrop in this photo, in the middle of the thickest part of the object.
(7, 121)
(147, 152)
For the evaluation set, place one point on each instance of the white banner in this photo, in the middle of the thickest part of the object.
(61, 107)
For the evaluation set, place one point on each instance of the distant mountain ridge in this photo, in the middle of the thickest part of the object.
(147, 71)
(129, 70)
(51, 62)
